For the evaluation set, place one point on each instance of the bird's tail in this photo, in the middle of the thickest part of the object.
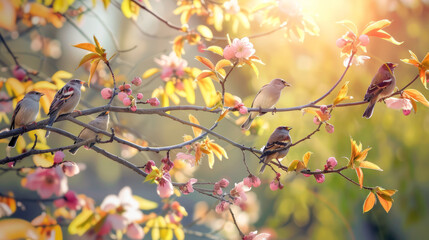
(74, 150)
(52, 118)
(248, 122)
(263, 165)
(12, 142)
(369, 110)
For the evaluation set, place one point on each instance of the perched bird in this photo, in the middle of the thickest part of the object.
(25, 113)
(267, 97)
(100, 122)
(382, 85)
(280, 138)
(65, 101)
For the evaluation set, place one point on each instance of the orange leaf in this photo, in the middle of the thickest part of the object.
(94, 65)
(204, 74)
(360, 176)
(416, 96)
(87, 58)
(222, 115)
(178, 45)
(206, 62)
(306, 158)
(369, 202)
(86, 46)
(385, 201)
(253, 66)
(375, 26)
(194, 120)
(369, 165)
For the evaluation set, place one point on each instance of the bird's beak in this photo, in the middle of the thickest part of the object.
(107, 112)
(395, 65)
(42, 94)
(289, 128)
(287, 84)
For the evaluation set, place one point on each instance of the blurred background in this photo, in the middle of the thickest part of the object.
(304, 209)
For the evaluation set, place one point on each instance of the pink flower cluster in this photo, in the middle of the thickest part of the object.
(239, 48)
(47, 182)
(241, 108)
(252, 180)
(400, 103)
(153, 101)
(223, 183)
(255, 236)
(69, 168)
(276, 184)
(331, 163)
(238, 193)
(188, 188)
(123, 213)
(172, 66)
(69, 200)
(320, 178)
(165, 187)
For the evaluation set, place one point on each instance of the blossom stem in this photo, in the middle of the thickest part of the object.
(235, 223)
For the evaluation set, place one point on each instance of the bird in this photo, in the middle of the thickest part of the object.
(382, 85)
(267, 97)
(65, 101)
(25, 113)
(100, 122)
(280, 138)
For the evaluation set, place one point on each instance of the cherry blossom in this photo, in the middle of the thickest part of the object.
(171, 66)
(320, 178)
(69, 200)
(255, 236)
(187, 188)
(139, 96)
(106, 93)
(239, 193)
(153, 101)
(165, 187)
(221, 207)
(137, 81)
(331, 163)
(399, 103)
(134, 231)
(252, 180)
(58, 157)
(148, 166)
(239, 48)
(47, 182)
(70, 168)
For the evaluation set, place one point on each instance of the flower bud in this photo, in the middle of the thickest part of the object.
(58, 157)
(137, 81)
(364, 40)
(70, 168)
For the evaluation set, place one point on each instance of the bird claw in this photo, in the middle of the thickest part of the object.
(274, 111)
(78, 111)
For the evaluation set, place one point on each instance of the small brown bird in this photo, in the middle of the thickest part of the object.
(267, 97)
(382, 85)
(25, 113)
(100, 122)
(65, 101)
(280, 138)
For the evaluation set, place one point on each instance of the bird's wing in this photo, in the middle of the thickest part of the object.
(18, 106)
(61, 97)
(270, 147)
(260, 90)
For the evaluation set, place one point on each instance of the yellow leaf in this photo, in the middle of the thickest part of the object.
(150, 72)
(360, 176)
(14, 87)
(197, 131)
(94, 65)
(375, 26)
(86, 46)
(129, 9)
(61, 74)
(169, 88)
(306, 158)
(58, 232)
(293, 165)
(145, 204)
(222, 115)
(42, 161)
(216, 49)
(178, 232)
(14, 228)
(178, 45)
(218, 150)
(8, 16)
(223, 63)
(342, 94)
(206, 62)
(416, 96)
(81, 223)
(218, 17)
(369, 202)
(211, 159)
(189, 89)
(253, 66)
(349, 25)
(205, 32)
(369, 165)
(208, 90)
(44, 85)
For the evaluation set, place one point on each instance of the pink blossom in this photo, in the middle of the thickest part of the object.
(171, 66)
(168, 164)
(137, 81)
(165, 187)
(148, 166)
(400, 103)
(329, 128)
(364, 40)
(223, 183)
(47, 182)
(239, 48)
(69, 200)
(324, 108)
(126, 101)
(341, 42)
(274, 185)
(187, 188)
(255, 236)
(106, 93)
(122, 96)
(58, 157)
(331, 163)
(222, 206)
(139, 96)
(189, 158)
(239, 193)
(11, 164)
(231, 7)
(133, 108)
(153, 101)
(316, 120)
(252, 180)
(243, 110)
(201, 47)
(135, 231)
(125, 210)
(19, 73)
(70, 168)
(320, 178)
(127, 86)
